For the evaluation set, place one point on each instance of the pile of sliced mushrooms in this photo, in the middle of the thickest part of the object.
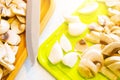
(12, 24)
(104, 55)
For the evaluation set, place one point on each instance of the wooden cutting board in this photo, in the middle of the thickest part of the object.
(47, 8)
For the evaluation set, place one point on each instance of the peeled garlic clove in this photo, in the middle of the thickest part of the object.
(70, 59)
(75, 29)
(70, 19)
(89, 8)
(65, 43)
(4, 26)
(2, 51)
(56, 54)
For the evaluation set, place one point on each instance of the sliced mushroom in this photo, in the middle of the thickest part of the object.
(18, 11)
(4, 26)
(20, 3)
(56, 54)
(89, 70)
(70, 59)
(116, 19)
(13, 38)
(21, 19)
(85, 71)
(107, 50)
(17, 26)
(65, 43)
(1, 73)
(112, 12)
(81, 45)
(105, 38)
(115, 68)
(75, 29)
(116, 32)
(105, 71)
(111, 60)
(6, 12)
(2, 51)
(93, 37)
(10, 55)
(114, 37)
(8, 2)
(95, 27)
(95, 56)
(10, 67)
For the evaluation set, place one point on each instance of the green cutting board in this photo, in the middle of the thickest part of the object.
(60, 71)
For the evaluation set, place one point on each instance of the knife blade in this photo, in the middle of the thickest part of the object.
(32, 28)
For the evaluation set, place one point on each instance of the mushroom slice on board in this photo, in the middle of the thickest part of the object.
(65, 43)
(81, 45)
(105, 38)
(111, 60)
(70, 59)
(93, 37)
(56, 54)
(17, 26)
(4, 26)
(108, 49)
(95, 27)
(105, 71)
(115, 68)
(88, 64)
(21, 19)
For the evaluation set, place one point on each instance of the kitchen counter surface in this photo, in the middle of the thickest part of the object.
(62, 7)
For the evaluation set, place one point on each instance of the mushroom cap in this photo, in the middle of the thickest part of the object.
(4, 26)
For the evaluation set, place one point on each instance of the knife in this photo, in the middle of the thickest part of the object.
(32, 29)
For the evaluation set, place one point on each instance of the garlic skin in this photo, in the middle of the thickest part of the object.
(65, 43)
(4, 26)
(75, 29)
(70, 59)
(56, 54)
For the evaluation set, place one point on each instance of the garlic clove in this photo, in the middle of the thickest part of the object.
(89, 8)
(75, 29)
(65, 43)
(71, 19)
(70, 59)
(56, 54)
